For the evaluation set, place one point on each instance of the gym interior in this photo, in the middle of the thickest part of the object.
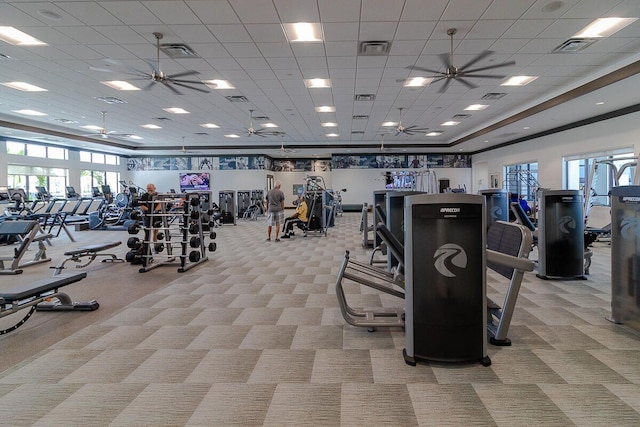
(364, 316)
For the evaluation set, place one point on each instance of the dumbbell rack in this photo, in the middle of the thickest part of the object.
(190, 224)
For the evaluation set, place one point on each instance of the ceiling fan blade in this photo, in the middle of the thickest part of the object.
(491, 67)
(484, 76)
(170, 87)
(189, 87)
(445, 58)
(132, 72)
(423, 69)
(480, 57)
(437, 79)
(445, 86)
(186, 81)
(153, 65)
(184, 73)
(149, 86)
(467, 83)
(416, 129)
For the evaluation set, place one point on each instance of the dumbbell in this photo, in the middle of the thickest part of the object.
(195, 201)
(194, 256)
(194, 242)
(213, 246)
(134, 243)
(212, 235)
(193, 228)
(159, 247)
(133, 228)
(160, 235)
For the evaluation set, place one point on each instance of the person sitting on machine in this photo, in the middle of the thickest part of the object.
(146, 205)
(525, 205)
(299, 216)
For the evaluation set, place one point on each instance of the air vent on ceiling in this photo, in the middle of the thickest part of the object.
(365, 97)
(261, 118)
(67, 121)
(507, 134)
(201, 133)
(3, 56)
(374, 48)
(178, 50)
(163, 119)
(357, 132)
(237, 98)
(110, 100)
(494, 95)
(360, 117)
(461, 116)
(573, 45)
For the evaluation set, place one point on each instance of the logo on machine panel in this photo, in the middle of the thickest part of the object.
(566, 224)
(449, 255)
(496, 213)
(630, 228)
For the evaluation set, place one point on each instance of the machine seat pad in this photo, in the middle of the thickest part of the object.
(91, 249)
(35, 289)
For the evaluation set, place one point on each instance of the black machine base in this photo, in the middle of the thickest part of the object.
(579, 277)
(76, 306)
(412, 361)
(501, 343)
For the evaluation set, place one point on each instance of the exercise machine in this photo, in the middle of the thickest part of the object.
(91, 252)
(226, 201)
(26, 232)
(497, 205)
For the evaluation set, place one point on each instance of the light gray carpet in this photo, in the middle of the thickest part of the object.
(254, 336)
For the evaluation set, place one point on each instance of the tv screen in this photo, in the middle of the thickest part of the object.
(194, 181)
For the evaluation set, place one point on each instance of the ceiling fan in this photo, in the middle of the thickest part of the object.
(459, 73)
(103, 131)
(261, 132)
(283, 149)
(410, 130)
(157, 75)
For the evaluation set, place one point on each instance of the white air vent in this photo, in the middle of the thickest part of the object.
(573, 45)
(374, 48)
(178, 50)
(67, 121)
(507, 134)
(360, 117)
(357, 132)
(201, 133)
(110, 100)
(162, 119)
(237, 98)
(494, 95)
(461, 116)
(365, 97)
(261, 118)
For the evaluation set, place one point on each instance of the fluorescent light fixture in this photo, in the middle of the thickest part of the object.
(16, 37)
(23, 86)
(269, 125)
(418, 81)
(389, 124)
(209, 125)
(231, 135)
(218, 84)
(151, 126)
(328, 124)
(30, 112)
(434, 133)
(91, 127)
(325, 109)
(604, 27)
(317, 83)
(600, 103)
(303, 32)
(120, 85)
(476, 107)
(519, 80)
(135, 137)
(176, 110)
(331, 135)
(450, 123)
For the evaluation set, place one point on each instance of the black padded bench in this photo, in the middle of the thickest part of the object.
(39, 295)
(91, 252)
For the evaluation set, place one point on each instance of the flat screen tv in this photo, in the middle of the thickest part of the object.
(194, 181)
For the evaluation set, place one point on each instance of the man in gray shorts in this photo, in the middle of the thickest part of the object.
(275, 209)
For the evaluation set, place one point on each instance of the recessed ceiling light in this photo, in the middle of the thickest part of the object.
(209, 125)
(604, 27)
(331, 135)
(519, 81)
(91, 127)
(450, 123)
(389, 124)
(418, 81)
(23, 86)
(526, 127)
(151, 126)
(317, 83)
(110, 100)
(120, 85)
(303, 32)
(476, 107)
(176, 110)
(600, 103)
(269, 125)
(30, 112)
(434, 133)
(328, 124)
(325, 109)
(135, 137)
(16, 37)
(231, 135)
(218, 84)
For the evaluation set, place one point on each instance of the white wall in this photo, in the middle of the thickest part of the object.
(288, 179)
(549, 151)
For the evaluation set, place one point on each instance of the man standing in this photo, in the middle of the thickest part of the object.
(275, 209)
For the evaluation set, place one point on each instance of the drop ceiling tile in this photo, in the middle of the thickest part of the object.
(172, 12)
(313, 63)
(131, 12)
(341, 62)
(264, 33)
(226, 64)
(283, 65)
(342, 73)
(536, 11)
(213, 11)
(458, 10)
(253, 63)
(210, 50)
(233, 33)
(371, 61)
(414, 30)
(342, 83)
(507, 9)
(15, 16)
(381, 10)
(341, 48)
(121, 34)
(190, 34)
(255, 11)
(377, 30)
(308, 49)
(406, 47)
(339, 11)
(340, 31)
(84, 35)
(80, 52)
(275, 50)
(369, 73)
(297, 10)
(243, 50)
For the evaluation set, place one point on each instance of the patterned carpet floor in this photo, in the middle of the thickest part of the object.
(254, 336)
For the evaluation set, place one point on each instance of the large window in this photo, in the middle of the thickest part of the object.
(36, 150)
(522, 179)
(95, 178)
(29, 177)
(109, 159)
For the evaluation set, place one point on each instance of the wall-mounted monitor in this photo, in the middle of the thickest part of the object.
(194, 181)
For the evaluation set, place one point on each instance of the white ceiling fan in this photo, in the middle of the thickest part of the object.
(459, 73)
(157, 75)
(102, 132)
(261, 132)
(410, 130)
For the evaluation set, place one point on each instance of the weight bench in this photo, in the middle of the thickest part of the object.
(38, 295)
(91, 252)
(28, 232)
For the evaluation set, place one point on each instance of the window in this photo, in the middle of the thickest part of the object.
(522, 179)
(92, 178)
(57, 153)
(16, 148)
(85, 156)
(36, 150)
(109, 159)
(29, 177)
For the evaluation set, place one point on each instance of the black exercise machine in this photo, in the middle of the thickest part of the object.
(91, 252)
(39, 295)
(27, 232)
